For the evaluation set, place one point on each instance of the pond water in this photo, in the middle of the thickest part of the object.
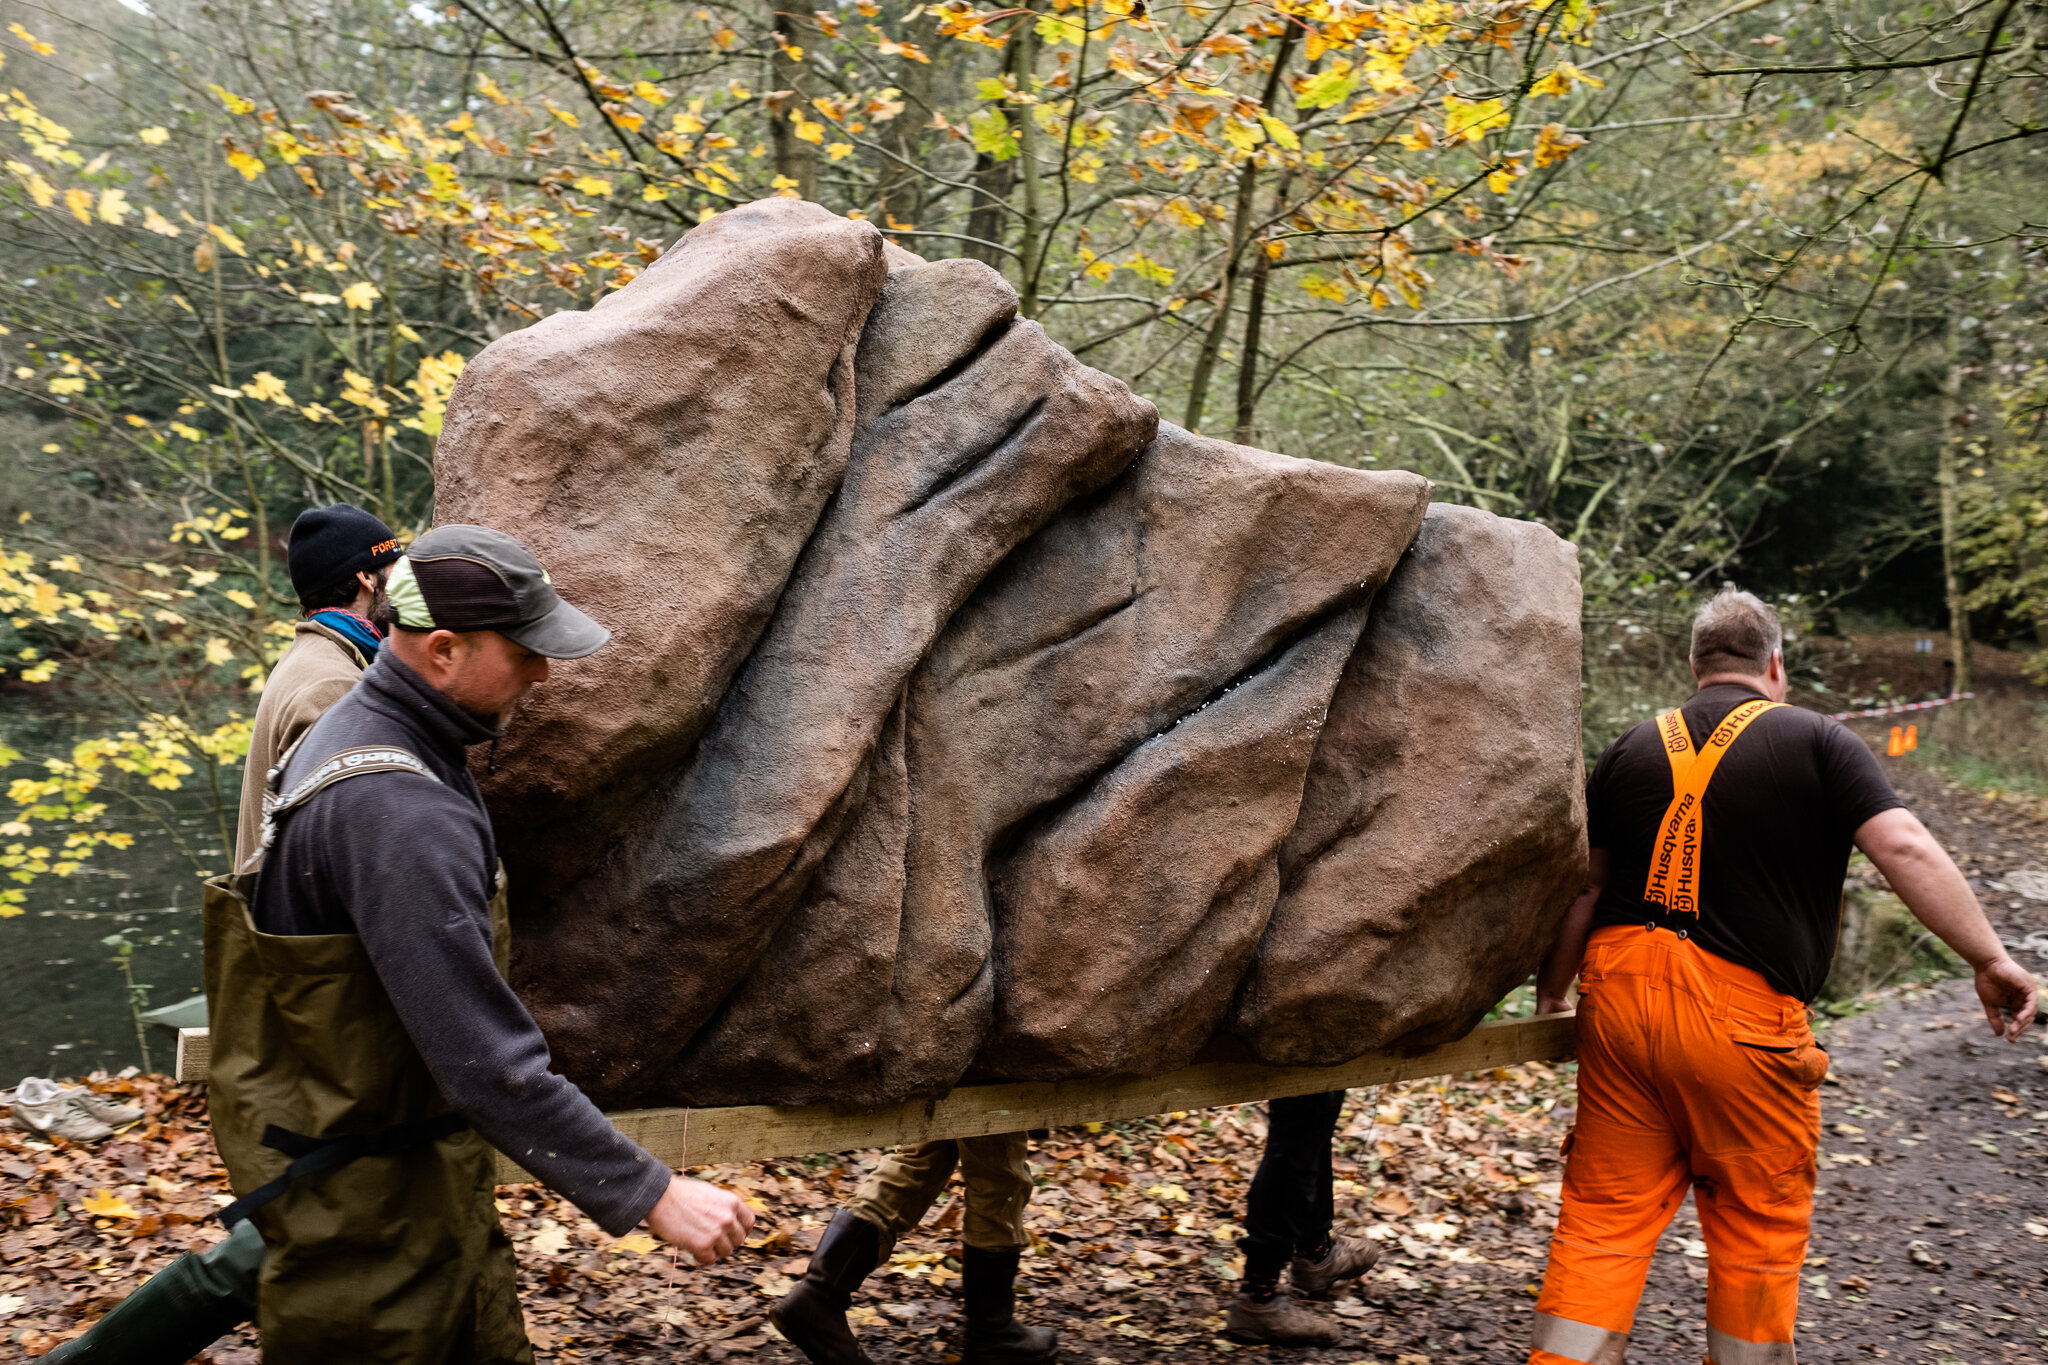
(64, 1007)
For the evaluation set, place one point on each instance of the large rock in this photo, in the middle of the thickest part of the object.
(1442, 833)
(957, 725)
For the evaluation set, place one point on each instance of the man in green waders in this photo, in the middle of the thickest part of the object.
(367, 1051)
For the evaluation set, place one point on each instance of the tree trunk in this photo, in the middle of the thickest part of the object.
(1240, 230)
(900, 189)
(795, 159)
(1952, 583)
(1248, 354)
(987, 220)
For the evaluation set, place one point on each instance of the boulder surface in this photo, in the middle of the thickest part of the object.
(961, 720)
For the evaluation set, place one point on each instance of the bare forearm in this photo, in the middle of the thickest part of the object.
(1922, 875)
(1561, 964)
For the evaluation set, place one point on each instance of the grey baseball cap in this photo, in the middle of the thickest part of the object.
(465, 578)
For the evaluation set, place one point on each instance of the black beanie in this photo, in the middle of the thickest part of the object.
(330, 545)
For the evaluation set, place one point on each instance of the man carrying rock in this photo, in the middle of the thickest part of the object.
(366, 1047)
(338, 558)
(1290, 1218)
(890, 1202)
(1720, 834)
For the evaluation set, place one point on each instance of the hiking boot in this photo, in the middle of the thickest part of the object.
(1347, 1259)
(988, 1281)
(177, 1312)
(105, 1110)
(812, 1315)
(1279, 1321)
(50, 1110)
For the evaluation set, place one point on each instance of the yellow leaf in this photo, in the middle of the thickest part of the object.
(36, 45)
(839, 151)
(1469, 120)
(80, 204)
(159, 224)
(653, 194)
(594, 185)
(104, 1203)
(235, 103)
(155, 137)
(218, 652)
(361, 295)
(240, 599)
(652, 93)
(1280, 133)
(639, 1243)
(1560, 79)
(41, 191)
(249, 166)
(227, 239)
(1554, 144)
(114, 205)
(488, 88)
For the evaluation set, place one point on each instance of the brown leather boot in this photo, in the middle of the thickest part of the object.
(988, 1281)
(1279, 1321)
(812, 1315)
(1347, 1259)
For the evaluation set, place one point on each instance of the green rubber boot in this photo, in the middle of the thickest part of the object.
(179, 1311)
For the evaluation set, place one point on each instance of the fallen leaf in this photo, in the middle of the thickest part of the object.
(639, 1243)
(105, 1204)
(1393, 1203)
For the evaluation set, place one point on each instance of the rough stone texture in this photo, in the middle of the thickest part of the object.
(667, 455)
(956, 724)
(1442, 832)
(1127, 614)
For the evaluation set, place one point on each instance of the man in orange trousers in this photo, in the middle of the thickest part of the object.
(1720, 834)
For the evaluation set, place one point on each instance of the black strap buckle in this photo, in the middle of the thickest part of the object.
(311, 1155)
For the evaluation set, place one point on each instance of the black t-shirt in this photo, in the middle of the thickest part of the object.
(1777, 826)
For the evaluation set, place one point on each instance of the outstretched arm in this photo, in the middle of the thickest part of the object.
(1933, 888)
(1561, 964)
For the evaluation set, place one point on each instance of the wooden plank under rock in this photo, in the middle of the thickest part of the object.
(751, 1132)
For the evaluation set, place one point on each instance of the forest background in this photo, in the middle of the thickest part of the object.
(1743, 292)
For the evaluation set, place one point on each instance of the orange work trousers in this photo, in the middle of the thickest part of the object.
(1692, 1071)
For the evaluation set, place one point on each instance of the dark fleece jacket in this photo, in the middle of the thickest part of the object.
(409, 866)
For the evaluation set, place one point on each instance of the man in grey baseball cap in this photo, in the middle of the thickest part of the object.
(359, 1008)
(471, 578)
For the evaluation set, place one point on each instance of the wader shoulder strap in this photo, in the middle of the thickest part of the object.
(343, 763)
(1674, 880)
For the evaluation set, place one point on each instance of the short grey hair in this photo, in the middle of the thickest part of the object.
(1735, 632)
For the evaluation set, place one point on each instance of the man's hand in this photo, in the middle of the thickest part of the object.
(702, 1219)
(1552, 1004)
(2009, 995)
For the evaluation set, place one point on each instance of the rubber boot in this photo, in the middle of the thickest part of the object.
(988, 1280)
(177, 1312)
(812, 1315)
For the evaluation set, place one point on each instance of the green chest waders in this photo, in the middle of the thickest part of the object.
(374, 1198)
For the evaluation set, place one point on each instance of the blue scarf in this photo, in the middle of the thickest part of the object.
(351, 628)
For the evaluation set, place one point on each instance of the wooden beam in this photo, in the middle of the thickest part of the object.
(709, 1137)
(195, 1050)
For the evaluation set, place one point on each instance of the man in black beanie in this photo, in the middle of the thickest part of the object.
(338, 558)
